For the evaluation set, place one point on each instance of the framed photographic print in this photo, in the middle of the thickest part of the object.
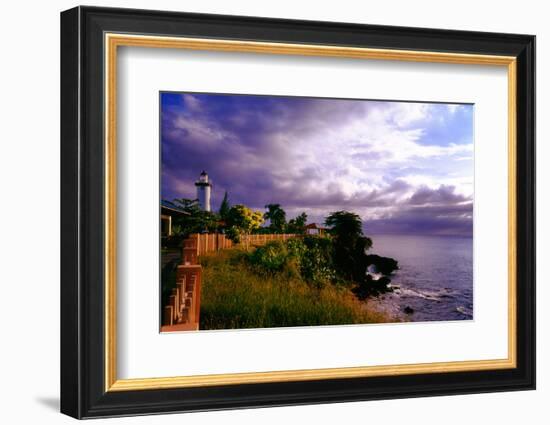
(261, 212)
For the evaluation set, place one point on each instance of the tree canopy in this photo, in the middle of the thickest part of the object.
(194, 219)
(242, 220)
(297, 225)
(350, 245)
(225, 206)
(277, 218)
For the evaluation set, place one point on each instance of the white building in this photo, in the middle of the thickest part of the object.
(204, 188)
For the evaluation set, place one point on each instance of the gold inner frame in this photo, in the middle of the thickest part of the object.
(113, 41)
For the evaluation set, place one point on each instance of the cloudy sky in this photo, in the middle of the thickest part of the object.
(405, 168)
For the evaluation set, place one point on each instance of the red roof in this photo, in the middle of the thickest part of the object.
(315, 226)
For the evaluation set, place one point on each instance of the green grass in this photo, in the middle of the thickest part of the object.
(235, 296)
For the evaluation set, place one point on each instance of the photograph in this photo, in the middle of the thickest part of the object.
(288, 210)
(284, 211)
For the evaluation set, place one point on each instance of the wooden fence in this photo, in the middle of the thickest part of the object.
(216, 241)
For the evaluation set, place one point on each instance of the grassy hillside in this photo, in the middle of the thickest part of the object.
(236, 295)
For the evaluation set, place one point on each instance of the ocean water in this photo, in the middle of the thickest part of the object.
(435, 276)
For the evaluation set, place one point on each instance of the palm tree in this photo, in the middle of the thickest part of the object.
(297, 224)
(276, 216)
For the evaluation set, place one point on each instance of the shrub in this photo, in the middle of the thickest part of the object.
(233, 234)
(309, 258)
(316, 262)
(172, 241)
(322, 261)
(270, 258)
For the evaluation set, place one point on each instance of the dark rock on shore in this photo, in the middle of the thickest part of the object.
(384, 265)
(408, 310)
(372, 287)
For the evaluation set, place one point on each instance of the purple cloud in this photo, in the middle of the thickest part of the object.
(404, 167)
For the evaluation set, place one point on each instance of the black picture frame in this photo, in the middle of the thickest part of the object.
(83, 392)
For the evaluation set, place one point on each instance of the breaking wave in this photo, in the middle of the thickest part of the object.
(427, 295)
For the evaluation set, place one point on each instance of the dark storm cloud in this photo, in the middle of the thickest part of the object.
(453, 220)
(444, 194)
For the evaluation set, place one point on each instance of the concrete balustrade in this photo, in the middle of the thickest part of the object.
(182, 313)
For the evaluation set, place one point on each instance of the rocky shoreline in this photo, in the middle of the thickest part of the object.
(387, 305)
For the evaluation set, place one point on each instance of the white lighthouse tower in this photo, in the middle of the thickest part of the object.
(203, 191)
